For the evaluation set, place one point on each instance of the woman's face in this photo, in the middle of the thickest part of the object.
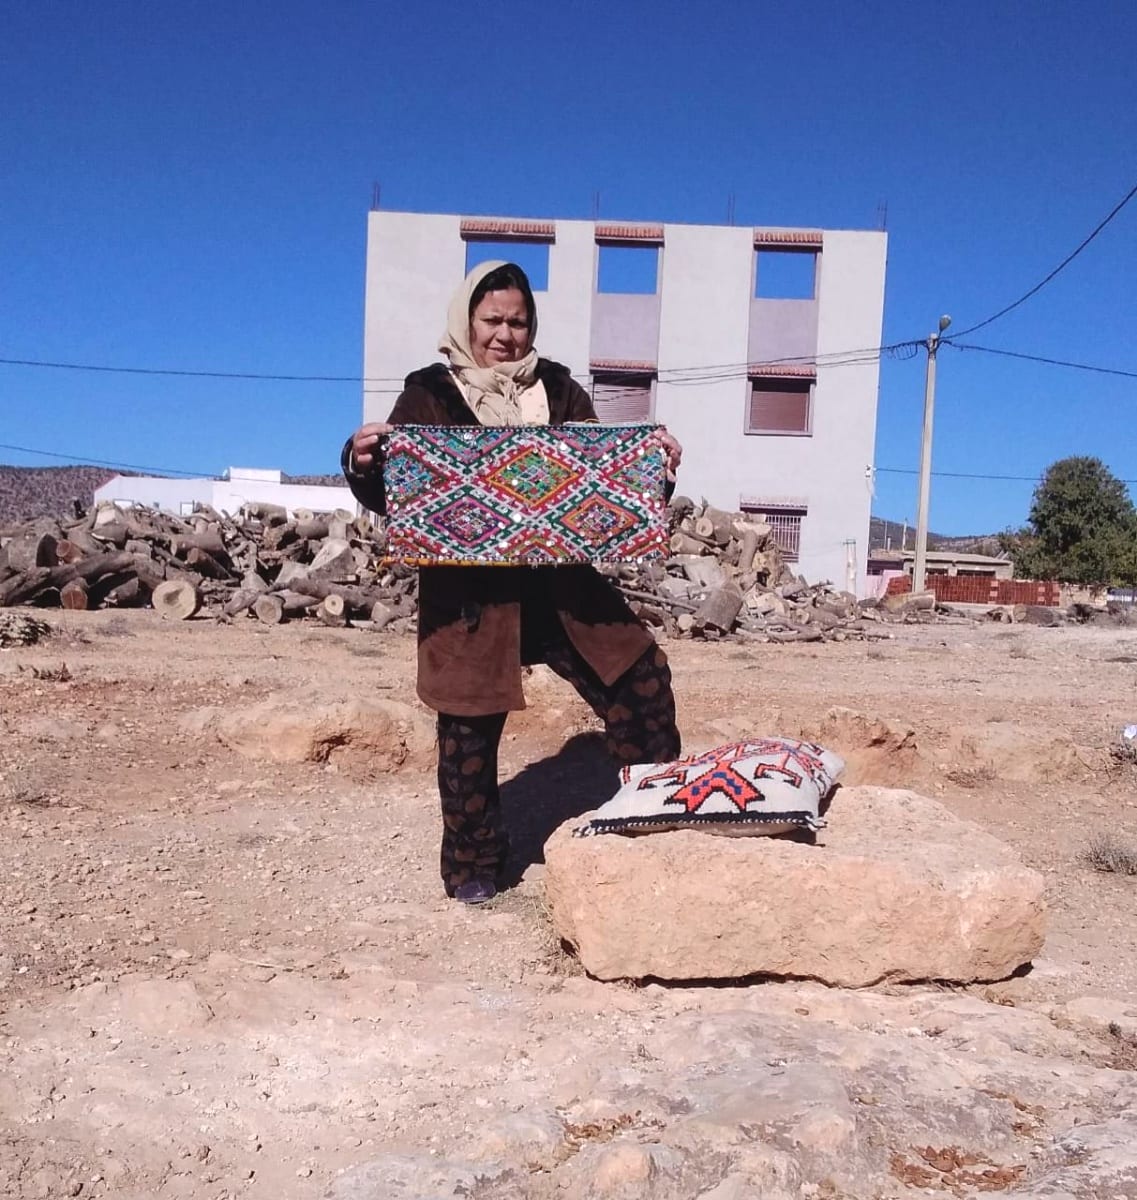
(499, 328)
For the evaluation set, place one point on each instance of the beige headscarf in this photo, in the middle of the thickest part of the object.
(506, 393)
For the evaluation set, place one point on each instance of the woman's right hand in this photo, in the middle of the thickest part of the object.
(365, 443)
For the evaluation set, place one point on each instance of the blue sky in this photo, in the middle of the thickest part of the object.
(187, 186)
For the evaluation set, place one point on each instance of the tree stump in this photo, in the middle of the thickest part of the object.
(176, 600)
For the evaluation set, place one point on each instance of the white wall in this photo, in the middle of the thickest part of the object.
(414, 263)
(704, 321)
(166, 494)
(850, 317)
(564, 312)
(223, 495)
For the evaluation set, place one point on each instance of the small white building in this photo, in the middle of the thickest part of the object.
(238, 486)
(754, 347)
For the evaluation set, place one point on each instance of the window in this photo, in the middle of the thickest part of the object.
(187, 508)
(785, 274)
(784, 520)
(622, 397)
(780, 406)
(627, 270)
(531, 257)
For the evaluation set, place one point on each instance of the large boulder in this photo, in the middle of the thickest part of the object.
(896, 888)
(369, 736)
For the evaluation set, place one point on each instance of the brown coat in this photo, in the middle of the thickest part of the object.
(470, 618)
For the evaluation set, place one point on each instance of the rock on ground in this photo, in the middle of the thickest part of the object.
(895, 889)
(380, 735)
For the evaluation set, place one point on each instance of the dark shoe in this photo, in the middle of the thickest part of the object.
(475, 891)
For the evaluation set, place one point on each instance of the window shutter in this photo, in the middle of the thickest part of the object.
(779, 407)
(622, 403)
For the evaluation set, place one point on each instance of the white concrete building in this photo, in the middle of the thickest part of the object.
(240, 485)
(740, 340)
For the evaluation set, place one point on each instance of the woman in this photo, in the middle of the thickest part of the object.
(479, 625)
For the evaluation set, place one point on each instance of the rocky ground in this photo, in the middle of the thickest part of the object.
(227, 968)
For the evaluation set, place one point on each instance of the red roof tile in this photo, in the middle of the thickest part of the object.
(782, 371)
(622, 364)
(507, 227)
(797, 239)
(629, 233)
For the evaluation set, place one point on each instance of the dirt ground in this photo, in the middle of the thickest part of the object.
(223, 976)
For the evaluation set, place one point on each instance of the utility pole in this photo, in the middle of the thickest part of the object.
(920, 566)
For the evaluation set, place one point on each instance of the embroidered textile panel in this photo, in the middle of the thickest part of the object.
(763, 785)
(524, 494)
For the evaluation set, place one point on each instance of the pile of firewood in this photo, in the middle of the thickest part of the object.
(262, 561)
(725, 575)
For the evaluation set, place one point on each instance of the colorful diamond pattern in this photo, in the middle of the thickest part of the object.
(411, 477)
(525, 494)
(532, 478)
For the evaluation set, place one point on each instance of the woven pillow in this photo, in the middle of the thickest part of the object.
(752, 788)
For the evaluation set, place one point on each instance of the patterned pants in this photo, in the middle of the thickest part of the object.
(638, 712)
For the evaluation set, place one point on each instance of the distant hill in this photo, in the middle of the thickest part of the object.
(27, 492)
(335, 480)
(885, 534)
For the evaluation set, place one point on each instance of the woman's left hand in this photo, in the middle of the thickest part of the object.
(673, 452)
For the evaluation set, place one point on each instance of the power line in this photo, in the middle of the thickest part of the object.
(702, 373)
(968, 475)
(1038, 358)
(71, 366)
(100, 462)
(1060, 267)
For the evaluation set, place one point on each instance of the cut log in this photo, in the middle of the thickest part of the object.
(674, 603)
(332, 611)
(205, 564)
(24, 588)
(68, 551)
(357, 599)
(289, 575)
(312, 528)
(115, 533)
(721, 525)
(176, 600)
(211, 541)
(684, 543)
(269, 609)
(128, 594)
(706, 572)
(241, 601)
(806, 634)
(73, 595)
(334, 560)
(338, 528)
(295, 603)
(32, 550)
(747, 548)
(282, 534)
(719, 609)
(252, 582)
(382, 613)
(270, 514)
(82, 539)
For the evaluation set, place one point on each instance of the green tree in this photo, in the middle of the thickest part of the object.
(1082, 528)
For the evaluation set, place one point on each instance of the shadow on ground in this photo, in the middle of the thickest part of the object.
(577, 779)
